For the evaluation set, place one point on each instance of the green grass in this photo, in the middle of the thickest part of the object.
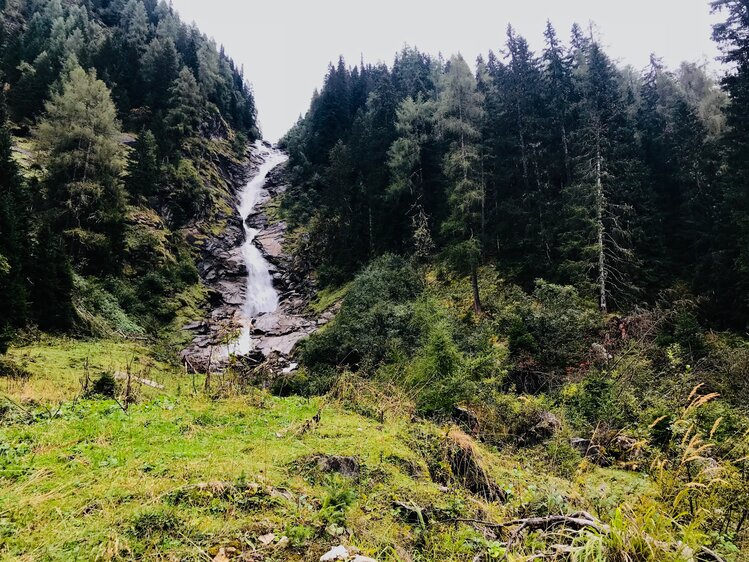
(78, 483)
(58, 364)
(327, 297)
(89, 481)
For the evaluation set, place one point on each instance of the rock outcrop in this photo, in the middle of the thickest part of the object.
(223, 270)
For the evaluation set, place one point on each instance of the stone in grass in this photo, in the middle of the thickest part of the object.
(348, 467)
(344, 553)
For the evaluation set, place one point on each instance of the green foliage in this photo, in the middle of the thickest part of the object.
(550, 332)
(437, 374)
(593, 401)
(376, 319)
(105, 386)
(15, 229)
(11, 369)
(84, 158)
(186, 105)
(187, 194)
(339, 497)
(143, 171)
(77, 70)
(154, 522)
(99, 311)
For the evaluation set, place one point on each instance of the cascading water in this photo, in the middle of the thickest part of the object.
(261, 295)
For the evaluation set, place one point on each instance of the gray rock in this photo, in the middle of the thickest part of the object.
(222, 269)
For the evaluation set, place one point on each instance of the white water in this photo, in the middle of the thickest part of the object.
(261, 295)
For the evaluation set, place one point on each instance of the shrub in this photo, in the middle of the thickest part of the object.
(11, 369)
(104, 386)
(549, 332)
(188, 195)
(151, 523)
(376, 317)
(437, 374)
(99, 311)
(522, 420)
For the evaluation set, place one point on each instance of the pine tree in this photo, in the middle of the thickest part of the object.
(460, 113)
(598, 237)
(51, 277)
(406, 164)
(80, 140)
(159, 67)
(186, 104)
(733, 37)
(558, 94)
(14, 233)
(143, 171)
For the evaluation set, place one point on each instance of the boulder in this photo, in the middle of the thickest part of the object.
(548, 425)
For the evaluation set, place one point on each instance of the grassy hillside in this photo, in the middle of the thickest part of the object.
(188, 471)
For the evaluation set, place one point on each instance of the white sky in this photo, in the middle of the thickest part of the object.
(285, 45)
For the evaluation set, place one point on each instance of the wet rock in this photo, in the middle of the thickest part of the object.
(280, 324)
(270, 240)
(284, 345)
(222, 268)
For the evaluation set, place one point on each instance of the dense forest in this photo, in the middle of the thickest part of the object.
(557, 165)
(89, 220)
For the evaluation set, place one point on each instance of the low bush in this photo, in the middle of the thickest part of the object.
(376, 318)
(550, 332)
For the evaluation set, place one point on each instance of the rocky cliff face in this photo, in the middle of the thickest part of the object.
(223, 271)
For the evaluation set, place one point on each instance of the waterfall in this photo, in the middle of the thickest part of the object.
(261, 295)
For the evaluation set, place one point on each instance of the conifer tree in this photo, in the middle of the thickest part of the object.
(597, 238)
(14, 233)
(186, 104)
(733, 247)
(83, 155)
(143, 170)
(406, 164)
(460, 113)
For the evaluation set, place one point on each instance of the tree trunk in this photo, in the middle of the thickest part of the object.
(521, 138)
(475, 287)
(600, 203)
(565, 146)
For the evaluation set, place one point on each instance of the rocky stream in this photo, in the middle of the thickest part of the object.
(259, 301)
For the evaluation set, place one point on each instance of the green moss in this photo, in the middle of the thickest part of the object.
(327, 297)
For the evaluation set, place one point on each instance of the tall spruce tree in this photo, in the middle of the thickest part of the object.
(460, 114)
(186, 106)
(732, 249)
(406, 163)
(598, 240)
(143, 170)
(14, 236)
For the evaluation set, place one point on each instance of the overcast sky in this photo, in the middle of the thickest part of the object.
(286, 45)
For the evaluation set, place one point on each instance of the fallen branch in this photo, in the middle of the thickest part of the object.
(712, 554)
(144, 382)
(576, 521)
